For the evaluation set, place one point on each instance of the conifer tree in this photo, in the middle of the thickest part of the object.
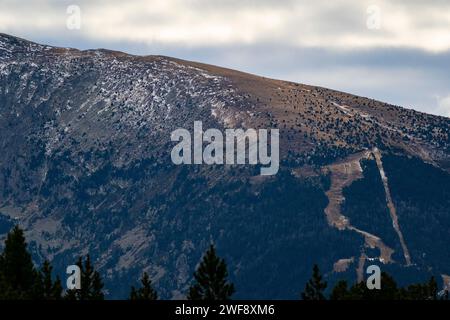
(146, 292)
(50, 290)
(340, 291)
(389, 290)
(315, 287)
(421, 291)
(91, 283)
(18, 276)
(432, 289)
(211, 279)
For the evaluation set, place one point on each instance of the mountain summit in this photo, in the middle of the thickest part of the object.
(85, 168)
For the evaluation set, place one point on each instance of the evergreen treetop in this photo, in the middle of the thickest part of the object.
(211, 279)
(146, 292)
(315, 287)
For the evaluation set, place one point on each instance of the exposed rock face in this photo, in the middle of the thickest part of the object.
(85, 168)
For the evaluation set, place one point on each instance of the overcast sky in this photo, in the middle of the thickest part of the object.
(396, 51)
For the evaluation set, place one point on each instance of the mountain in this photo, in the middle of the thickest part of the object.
(85, 168)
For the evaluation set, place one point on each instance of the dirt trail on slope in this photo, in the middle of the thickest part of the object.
(390, 205)
(343, 174)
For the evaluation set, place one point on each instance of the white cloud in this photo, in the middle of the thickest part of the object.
(338, 24)
(320, 42)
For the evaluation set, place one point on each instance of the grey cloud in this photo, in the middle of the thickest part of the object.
(403, 75)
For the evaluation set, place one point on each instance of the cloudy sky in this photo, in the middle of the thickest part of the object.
(396, 51)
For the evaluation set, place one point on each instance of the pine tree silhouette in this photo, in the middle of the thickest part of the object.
(91, 283)
(340, 291)
(146, 292)
(421, 291)
(211, 279)
(50, 290)
(18, 276)
(315, 288)
(389, 291)
(432, 289)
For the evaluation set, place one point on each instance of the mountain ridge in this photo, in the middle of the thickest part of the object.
(86, 168)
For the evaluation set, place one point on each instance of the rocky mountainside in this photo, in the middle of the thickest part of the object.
(85, 168)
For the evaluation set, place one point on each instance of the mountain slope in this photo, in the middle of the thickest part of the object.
(85, 168)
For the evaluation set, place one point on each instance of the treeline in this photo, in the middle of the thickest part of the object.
(316, 287)
(21, 280)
